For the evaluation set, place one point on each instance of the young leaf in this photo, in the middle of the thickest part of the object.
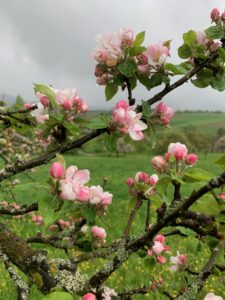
(197, 175)
(47, 91)
(221, 161)
(110, 90)
(176, 69)
(184, 51)
(136, 50)
(214, 32)
(190, 38)
(97, 123)
(57, 295)
(128, 68)
(139, 39)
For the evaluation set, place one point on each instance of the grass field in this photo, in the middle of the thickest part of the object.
(135, 272)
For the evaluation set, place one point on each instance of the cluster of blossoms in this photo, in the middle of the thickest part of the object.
(142, 182)
(177, 154)
(156, 284)
(38, 220)
(164, 113)
(16, 147)
(114, 48)
(72, 186)
(66, 99)
(128, 121)
(158, 248)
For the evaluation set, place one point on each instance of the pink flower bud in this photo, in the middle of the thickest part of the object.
(160, 238)
(43, 99)
(215, 14)
(67, 104)
(153, 179)
(158, 163)
(84, 107)
(214, 47)
(142, 177)
(89, 296)
(98, 232)
(223, 16)
(192, 159)
(122, 104)
(221, 196)
(27, 105)
(57, 170)
(130, 181)
(178, 150)
(161, 259)
(99, 71)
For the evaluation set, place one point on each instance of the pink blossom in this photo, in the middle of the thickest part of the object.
(72, 187)
(42, 118)
(98, 196)
(201, 38)
(4, 203)
(142, 177)
(214, 47)
(157, 248)
(102, 80)
(122, 104)
(143, 69)
(127, 36)
(57, 170)
(178, 150)
(99, 71)
(192, 159)
(153, 179)
(158, 163)
(130, 181)
(80, 105)
(177, 261)
(157, 54)
(166, 112)
(221, 196)
(215, 14)
(37, 219)
(27, 105)
(101, 55)
(212, 296)
(43, 99)
(160, 238)
(161, 259)
(98, 232)
(89, 296)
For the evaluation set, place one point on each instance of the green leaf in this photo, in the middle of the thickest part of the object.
(58, 296)
(110, 90)
(186, 231)
(176, 69)
(218, 84)
(128, 68)
(98, 122)
(47, 91)
(47, 206)
(197, 175)
(133, 82)
(184, 51)
(156, 80)
(221, 161)
(162, 187)
(139, 39)
(190, 38)
(146, 109)
(71, 127)
(89, 213)
(222, 54)
(145, 80)
(205, 75)
(199, 83)
(214, 32)
(136, 50)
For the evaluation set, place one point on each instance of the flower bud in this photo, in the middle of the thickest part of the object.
(158, 163)
(215, 14)
(98, 232)
(89, 296)
(192, 159)
(57, 170)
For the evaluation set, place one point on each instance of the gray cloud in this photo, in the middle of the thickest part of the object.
(51, 41)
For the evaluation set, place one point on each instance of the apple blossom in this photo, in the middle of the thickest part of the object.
(222, 196)
(212, 296)
(42, 118)
(27, 105)
(57, 170)
(201, 37)
(130, 181)
(157, 54)
(127, 36)
(98, 232)
(43, 99)
(158, 163)
(166, 113)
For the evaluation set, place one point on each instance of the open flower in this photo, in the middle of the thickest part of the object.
(178, 261)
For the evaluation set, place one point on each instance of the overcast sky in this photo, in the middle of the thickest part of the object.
(50, 41)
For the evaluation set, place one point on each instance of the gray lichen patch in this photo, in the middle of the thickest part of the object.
(73, 283)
